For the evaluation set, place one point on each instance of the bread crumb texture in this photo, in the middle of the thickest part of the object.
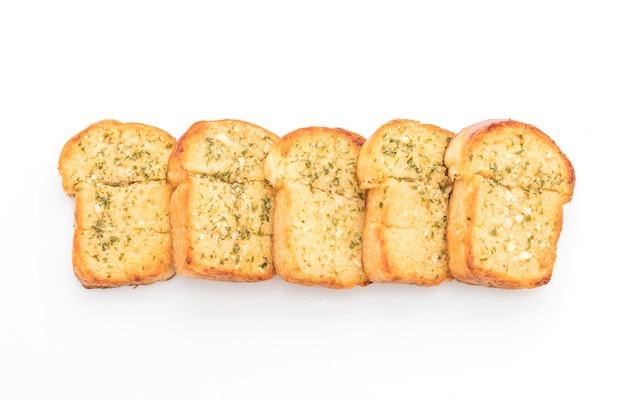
(222, 205)
(117, 171)
(510, 184)
(320, 209)
(404, 238)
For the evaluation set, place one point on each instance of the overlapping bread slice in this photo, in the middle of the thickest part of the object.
(117, 173)
(319, 212)
(401, 166)
(506, 211)
(222, 206)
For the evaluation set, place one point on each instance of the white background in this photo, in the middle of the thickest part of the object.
(63, 65)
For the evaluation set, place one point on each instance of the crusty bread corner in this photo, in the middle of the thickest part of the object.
(401, 166)
(221, 211)
(319, 210)
(510, 184)
(116, 171)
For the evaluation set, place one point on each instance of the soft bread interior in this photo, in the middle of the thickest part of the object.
(122, 231)
(511, 182)
(401, 166)
(222, 207)
(319, 208)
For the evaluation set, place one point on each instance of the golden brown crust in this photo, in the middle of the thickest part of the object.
(221, 208)
(401, 166)
(375, 263)
(178, 219)
(116, 171)
(319, 211)
(505, 213)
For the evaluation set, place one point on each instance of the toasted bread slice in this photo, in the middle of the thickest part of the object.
(401, 166)
(320, 209)
(117, 173)
(506, 210)
(222, 206)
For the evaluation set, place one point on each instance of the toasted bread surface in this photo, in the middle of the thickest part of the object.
(320, 209)
(506, 210)
(404, 240)
(116, 172)
(222, 206)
